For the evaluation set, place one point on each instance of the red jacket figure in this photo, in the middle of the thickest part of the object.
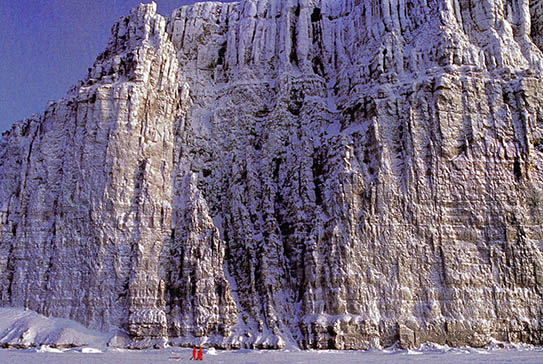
(200, 354)
(193, 353)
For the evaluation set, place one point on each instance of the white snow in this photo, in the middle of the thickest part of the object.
(434, 355)
(90, 350)
(25, 328)
(48, 349)
(52, 340)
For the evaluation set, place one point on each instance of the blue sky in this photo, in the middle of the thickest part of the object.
(46, 46)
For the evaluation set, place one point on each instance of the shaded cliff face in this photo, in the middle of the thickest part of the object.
(335, 173)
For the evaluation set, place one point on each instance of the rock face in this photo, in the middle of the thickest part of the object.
(332, 173)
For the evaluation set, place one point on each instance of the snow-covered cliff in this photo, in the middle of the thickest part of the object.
(332, 173)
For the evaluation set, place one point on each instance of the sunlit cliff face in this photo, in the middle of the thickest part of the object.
(334, 174)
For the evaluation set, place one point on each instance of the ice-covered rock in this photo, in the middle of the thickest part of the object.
(335, 173)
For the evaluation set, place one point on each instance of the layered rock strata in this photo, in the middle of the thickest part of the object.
(331, 173)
